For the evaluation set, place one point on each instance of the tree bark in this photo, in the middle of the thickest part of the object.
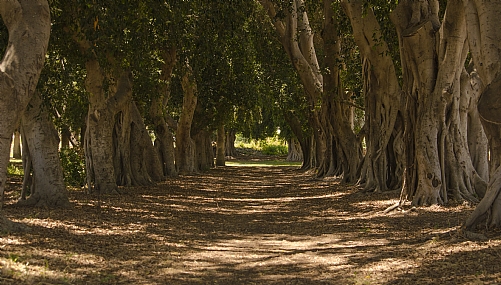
(229, 143)
(16, 147)
(204, 155)
(47, 187)
(344, 150)
(28, 24)
(100, 123)
(383, 167)
(484, 37)
(164, 142)
(478, 144)
(136, 161)
(433, 54)
(185, 146)
(294, 152)
(305, 140)
(220, 146)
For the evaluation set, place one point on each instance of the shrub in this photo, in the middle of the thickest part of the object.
(73, 162)
(273, 149)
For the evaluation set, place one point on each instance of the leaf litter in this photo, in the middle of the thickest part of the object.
(244, 225)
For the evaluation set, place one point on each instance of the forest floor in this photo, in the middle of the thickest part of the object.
(244, 225)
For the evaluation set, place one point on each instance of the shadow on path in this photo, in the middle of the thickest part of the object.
(244, 225)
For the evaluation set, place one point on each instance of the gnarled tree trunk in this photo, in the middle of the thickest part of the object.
(305, 140)
(484, 37)
(204, 155)
(478, 145)
(164, 142)
(335, 149)
(136, 161)
(296, 37)
(433, 54)
(100, 124)
(344, 150)
(43, 171)
(383, 164)
(185, 146)
(28, 23)
(294, 152)
(229, 143)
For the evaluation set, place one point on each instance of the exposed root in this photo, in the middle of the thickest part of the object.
(473, 236)
(393, 207)
(483, 209)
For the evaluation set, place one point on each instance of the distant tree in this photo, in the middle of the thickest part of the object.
(336, 149)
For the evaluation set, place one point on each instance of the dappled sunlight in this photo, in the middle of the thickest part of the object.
(239, 226)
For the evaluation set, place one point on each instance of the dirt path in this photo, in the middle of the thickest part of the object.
(244, 225)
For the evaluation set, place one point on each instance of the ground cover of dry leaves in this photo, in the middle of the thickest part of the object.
(244, 225)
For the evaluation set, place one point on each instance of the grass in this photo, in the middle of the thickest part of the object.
(262, 163)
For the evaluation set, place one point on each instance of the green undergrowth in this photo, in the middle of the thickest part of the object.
(262, 163)
(269, 146)
(15, 167)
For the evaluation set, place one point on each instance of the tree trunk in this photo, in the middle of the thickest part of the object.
(28, 25)
(47, 188)
(204, 153)
(100, 124)
(296, 36)
(383, 164)
(336, 148)
(437, 158)
(478, 144)
(27, 168)
(220, 146)
(136, 161)
(164, 142)
(344, 150)
(484, 37)
(294, 152)
(305, 140)
(147, 156)
(185, 146)
(229, 143)
(16, 148)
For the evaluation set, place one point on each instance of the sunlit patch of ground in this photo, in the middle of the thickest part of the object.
(244, 225)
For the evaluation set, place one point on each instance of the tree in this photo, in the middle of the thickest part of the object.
(116, 141)
(41, 157)
(438, 162)
(16, 147)
(383, 163)
(164, 141)
(484, 38)
(343, 148)
(185, 146)
(334, 139)
(20, 66)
